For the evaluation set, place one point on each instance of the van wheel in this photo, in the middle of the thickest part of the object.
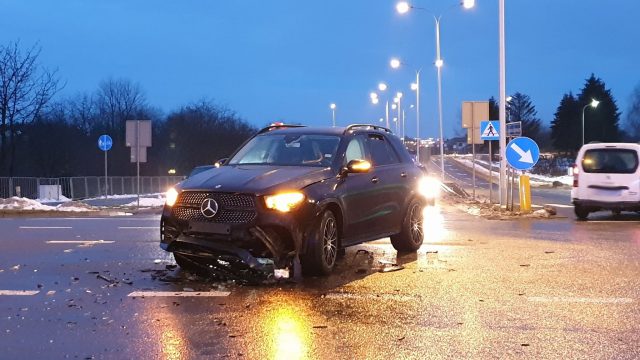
(411, 237)
(322, 246)
(581, 212)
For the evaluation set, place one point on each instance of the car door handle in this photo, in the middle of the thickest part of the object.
(403, 174)
(374, 180)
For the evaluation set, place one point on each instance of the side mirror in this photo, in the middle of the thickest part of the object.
(221, 162)
(357, 166)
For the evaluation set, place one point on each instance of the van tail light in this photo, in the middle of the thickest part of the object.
(576, 172)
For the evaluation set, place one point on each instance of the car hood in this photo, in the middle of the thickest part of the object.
(256, 179)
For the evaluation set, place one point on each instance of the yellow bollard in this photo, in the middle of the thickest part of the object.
(525, 194)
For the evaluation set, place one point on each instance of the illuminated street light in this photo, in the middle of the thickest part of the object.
(382, 86)
(403, 7)
(395, 63)
(373, 95)
(594, 104)
(375, 101)
(468, 4)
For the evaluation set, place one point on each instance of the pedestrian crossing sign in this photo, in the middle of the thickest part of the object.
(490, 130)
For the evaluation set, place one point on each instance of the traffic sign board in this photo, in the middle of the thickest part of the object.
(522, 153)
(490, 130)
(105, 142)
(514, 129)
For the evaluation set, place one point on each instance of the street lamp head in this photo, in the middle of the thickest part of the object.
(395, 63)
(439, 63)
(468, 4)
(394, 106)
(381, 119)
(509, 98)
(399, 95)
(395, 100)
(403, 7)
(332, 106)
(594, 103)
(374, 101)
(382, 86)
(373, 95)
(414, 86)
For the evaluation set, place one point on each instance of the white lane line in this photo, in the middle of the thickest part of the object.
(139, 227)
(365, 296)
(46, 227)
(84, 242)
(561, 299)
(179, 294)
(18, 292)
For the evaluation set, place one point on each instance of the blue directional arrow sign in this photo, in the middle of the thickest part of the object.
(490, 130)
(522, 153)
(105, 142)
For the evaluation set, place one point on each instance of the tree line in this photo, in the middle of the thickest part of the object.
(602, 123)
(40, 136)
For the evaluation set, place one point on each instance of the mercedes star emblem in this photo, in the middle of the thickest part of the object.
(209, 208)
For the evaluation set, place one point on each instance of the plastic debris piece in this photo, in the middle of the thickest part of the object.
(391, 268)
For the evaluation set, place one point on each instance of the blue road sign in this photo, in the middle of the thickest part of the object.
(105, 142)
(522, 153)
(490, 130)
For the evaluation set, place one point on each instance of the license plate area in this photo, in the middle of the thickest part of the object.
(209, 228)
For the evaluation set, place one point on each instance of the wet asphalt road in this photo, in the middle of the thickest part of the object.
(477, 289)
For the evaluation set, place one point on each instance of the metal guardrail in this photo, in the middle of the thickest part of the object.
(76, 188)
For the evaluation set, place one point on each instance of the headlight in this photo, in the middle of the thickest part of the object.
(172, 196)
(429, 187)
(283, 202)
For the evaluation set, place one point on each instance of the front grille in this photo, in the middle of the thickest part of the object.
(232, 208)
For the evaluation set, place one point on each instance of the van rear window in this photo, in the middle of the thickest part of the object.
(610, 161)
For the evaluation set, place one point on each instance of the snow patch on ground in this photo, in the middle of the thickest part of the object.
(535, 179)
(157, 201)
(61, 198)
(17, 203)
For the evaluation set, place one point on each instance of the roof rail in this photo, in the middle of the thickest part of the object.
(278, 126)
(368, 126)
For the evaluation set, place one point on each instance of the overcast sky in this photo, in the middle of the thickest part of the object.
(288, 60)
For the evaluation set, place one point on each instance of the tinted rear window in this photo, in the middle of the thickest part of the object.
(610, 161)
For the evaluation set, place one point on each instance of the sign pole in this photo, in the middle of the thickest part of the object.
(138, 159)
(473, 151)
(490, 174)
(106, 184)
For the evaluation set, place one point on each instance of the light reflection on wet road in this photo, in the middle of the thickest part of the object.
(476, 289)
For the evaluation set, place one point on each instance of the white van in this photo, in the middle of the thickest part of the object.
(606, 176)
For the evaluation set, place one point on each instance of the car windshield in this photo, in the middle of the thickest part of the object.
(611, 161)
(288, 150)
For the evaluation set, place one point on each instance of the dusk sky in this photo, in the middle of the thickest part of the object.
(282, 60)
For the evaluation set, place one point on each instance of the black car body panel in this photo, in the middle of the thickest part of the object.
(367, 206)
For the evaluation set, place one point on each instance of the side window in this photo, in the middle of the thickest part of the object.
(355, 150)
(381, 151)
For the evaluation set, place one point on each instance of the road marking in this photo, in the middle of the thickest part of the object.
(580, 300)
(139, 227)
(179, 294)
(46, 227)
(18, 292)
(84, 242)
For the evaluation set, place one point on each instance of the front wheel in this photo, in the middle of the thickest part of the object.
(581, 212)
(322, 246)
(412, 235)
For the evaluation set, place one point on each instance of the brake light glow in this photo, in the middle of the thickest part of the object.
(576, 172)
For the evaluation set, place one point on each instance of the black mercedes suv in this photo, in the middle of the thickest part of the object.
(294, 197)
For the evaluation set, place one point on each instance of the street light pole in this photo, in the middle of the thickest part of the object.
(439, 64)
(594, 104)
(333, 113)
(503, 112)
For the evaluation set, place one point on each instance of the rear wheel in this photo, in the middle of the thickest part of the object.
(322, 246)
(412, 235)
(581, 212)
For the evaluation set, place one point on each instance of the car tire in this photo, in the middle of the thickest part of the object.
(322, 246)
(412, 235)
(581, 212)
(186, 263)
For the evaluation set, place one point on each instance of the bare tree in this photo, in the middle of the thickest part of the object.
(119, 100)
(25, 88)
